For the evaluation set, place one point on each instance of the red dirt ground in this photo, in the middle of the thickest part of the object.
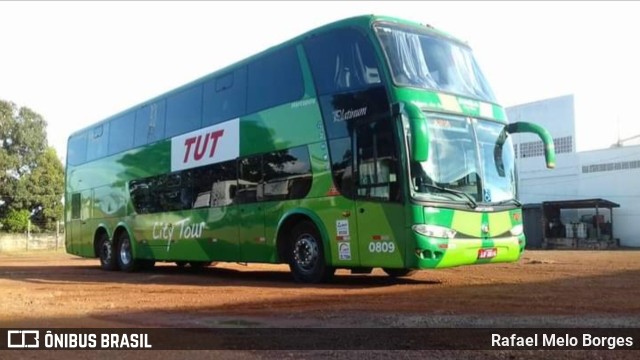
(545, 288)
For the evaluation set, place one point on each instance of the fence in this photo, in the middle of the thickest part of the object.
(13, 242)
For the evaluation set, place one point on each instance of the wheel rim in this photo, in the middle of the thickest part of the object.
(306, 252)
(125, 252)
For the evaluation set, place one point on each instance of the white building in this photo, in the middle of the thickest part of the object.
(612, 173)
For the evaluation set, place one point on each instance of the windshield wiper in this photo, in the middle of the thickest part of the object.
(508, 201)
(470, 201)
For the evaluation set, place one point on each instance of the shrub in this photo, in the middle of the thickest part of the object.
(16, 221)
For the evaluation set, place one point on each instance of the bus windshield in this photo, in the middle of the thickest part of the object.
(467, 156)
(425, 61)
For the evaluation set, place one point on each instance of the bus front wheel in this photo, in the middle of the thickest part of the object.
(105, 252)
(126, 262)
(306, 255)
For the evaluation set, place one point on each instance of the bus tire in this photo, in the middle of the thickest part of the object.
(394, 273)
(126, 262)
(106, 253)
(306, 255)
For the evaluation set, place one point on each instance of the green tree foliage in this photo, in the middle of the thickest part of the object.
(45, 188)
(31, 175)
(16, 220)
(23, 136)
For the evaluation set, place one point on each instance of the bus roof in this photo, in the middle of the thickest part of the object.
(364, 21)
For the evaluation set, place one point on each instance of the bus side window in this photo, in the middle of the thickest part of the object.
(143, 196)
(274, 79)
(249, 180)
(214, 185)
(77, 149)
(75, 206)
(121, 133)
(97, 141)
(287, 174)
(184, 111)
(149, 123)
(225, 97)
(342, 165)
(342, 60)
(377, 162)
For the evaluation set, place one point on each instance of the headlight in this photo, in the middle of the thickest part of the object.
(434, 231)
(517, 230)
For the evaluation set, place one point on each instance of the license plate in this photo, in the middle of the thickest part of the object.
(487, 253)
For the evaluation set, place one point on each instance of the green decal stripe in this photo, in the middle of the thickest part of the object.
(487, 241)
(433, 215)
(465, 252)
(467, 223)
(460, 252)
(265, 131)
(499, 113)
(499, 223)
(436, 101)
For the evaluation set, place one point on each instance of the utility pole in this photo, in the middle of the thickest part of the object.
(28, 233)
(622, 141)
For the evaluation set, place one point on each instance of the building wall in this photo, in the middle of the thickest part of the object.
(556, 114)
(612, 173)
(22, 242)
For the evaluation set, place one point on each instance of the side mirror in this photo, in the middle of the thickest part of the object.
(545, 136)
(419, 131)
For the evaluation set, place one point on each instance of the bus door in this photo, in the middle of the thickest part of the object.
(80, 242)
(379, 210)
(250, 209)
(73, 225)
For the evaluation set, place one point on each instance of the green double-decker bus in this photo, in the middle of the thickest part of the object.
(369, 142)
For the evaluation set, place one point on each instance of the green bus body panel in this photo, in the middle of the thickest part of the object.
(379, 226)
(282, 127)
(355, 232)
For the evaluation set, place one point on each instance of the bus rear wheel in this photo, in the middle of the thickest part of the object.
(126, 262)
(399, 272)
(306, 255)
(105, 252)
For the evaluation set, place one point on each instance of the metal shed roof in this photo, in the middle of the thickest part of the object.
(581, 204)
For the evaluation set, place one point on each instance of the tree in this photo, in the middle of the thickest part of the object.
(31, 175)
(23, 138)
(44, 186)
(16, 220)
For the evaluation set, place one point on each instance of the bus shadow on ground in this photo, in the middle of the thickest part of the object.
(562, 302)
(574, 301)
(209, 276)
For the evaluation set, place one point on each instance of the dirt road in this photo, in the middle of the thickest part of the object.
(544, 289)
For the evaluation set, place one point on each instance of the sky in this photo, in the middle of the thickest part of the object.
(76, 63)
